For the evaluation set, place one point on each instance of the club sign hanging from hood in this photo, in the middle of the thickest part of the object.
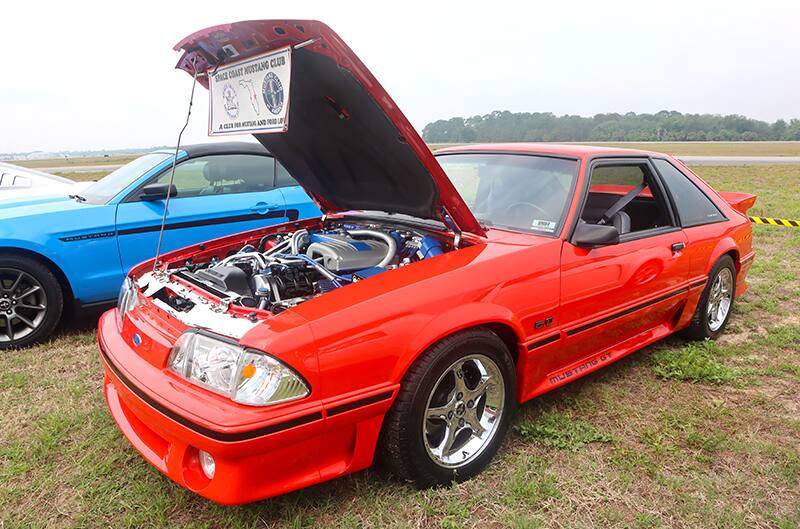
(251, 96)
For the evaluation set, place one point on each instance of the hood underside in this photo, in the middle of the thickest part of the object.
(347, 142)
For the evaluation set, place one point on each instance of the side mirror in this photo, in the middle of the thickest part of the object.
(594, 235)
(158, 191)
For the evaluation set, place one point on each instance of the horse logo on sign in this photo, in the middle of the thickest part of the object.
(272, 90)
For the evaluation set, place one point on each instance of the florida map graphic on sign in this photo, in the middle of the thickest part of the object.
(251, 96)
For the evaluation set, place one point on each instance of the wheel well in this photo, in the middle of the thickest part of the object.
(508, 335)
(503, 331)
(62, 279)
(735, 256)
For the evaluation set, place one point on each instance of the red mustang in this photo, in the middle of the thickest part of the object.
(434, 295)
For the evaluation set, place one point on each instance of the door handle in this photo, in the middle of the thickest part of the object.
(263, 207)
(677, 247)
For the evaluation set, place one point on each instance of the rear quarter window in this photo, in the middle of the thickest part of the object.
(694, 207)
(282, 177)
(624, 175)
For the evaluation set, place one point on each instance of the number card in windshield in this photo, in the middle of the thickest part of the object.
(251, 96)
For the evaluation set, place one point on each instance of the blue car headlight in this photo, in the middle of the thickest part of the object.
(128, 298)
(246, 376)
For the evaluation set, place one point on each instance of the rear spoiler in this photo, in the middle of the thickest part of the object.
(740, 201)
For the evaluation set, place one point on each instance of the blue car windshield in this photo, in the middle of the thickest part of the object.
(112, 184)
(518, 192)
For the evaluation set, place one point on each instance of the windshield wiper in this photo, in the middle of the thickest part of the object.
(78, 198)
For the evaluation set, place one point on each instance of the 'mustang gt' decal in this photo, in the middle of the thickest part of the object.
(558, 377)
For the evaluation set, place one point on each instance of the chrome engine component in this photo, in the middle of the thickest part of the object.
(341, 253)
(288, 281)
(289, 268)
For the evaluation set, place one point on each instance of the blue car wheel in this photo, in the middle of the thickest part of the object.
(31, 301)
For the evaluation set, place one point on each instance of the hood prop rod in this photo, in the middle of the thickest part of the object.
(450, 223)
(156, 262)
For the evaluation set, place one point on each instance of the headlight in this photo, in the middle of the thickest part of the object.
(246, 376)
(128, 298)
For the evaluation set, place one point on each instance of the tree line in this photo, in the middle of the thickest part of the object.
(663, 126)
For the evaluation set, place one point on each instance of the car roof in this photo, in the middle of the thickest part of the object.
(221, 147)
(561, 149)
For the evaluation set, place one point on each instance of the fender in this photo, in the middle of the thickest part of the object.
(41, 252)
(69, 265)
(723, 246)
(30, 246)
(449, 322)
(35, 248)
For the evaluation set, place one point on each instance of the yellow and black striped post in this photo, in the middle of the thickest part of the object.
(776, 222)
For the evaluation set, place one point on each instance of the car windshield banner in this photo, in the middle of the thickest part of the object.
(251, 96)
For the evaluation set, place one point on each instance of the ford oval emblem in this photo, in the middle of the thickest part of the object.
(137, 340)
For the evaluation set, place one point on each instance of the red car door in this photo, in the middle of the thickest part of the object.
(629, 291)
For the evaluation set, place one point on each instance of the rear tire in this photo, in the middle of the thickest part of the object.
(434, 400)
(716, 303)
(31, 301)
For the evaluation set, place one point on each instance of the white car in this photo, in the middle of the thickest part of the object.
(19, 182)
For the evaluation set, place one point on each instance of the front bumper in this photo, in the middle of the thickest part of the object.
(252, 462)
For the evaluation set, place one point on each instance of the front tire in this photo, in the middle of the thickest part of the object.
(453, 410)
(716, 303)
(31, 301)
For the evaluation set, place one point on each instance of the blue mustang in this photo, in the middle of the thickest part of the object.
(58, 252)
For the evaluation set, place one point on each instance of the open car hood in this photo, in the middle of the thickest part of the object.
(347, 143)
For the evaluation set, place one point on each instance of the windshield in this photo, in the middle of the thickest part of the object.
(110, 185)
(515, 191)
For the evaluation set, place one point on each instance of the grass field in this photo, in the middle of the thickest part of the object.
(83, 176)
(77, 161)
(678, 435)
(752, 148)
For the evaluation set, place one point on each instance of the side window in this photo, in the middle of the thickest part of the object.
(694, 207)
(618, 175)
(609, 198)
(282, 176)
(223, 174)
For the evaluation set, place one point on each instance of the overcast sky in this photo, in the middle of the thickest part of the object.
(75, 76)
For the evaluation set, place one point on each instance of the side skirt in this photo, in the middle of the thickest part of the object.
(595, 361)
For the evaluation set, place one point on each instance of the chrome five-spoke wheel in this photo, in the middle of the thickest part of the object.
(452, 410)
(716, 302)
(719, 299)
(23, 304)
(463, 411)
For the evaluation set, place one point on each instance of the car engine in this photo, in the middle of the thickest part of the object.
(286, 269)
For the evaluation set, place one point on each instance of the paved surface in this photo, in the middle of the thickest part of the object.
(738, 160)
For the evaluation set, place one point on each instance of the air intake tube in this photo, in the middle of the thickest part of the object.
(385, 237)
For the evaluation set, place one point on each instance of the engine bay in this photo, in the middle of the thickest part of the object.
(287, 268)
